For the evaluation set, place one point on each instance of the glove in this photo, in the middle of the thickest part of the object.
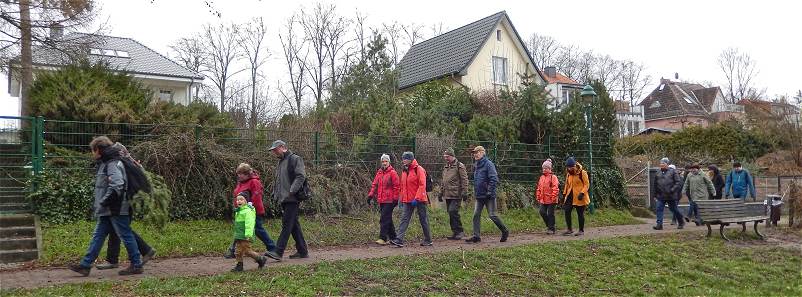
(414, 202)
(581, 197)
(370, 198)
(464, 197)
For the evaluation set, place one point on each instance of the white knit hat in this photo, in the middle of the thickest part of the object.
(385, 157)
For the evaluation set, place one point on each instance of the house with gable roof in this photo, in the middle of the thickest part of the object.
(675, 105)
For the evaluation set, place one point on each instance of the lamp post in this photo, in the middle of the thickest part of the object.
(588, 97)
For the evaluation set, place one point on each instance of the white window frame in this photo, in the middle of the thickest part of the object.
(162, 92)
(123, 54)
(502, 80)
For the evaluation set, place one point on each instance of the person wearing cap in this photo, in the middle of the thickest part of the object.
(413, 196)
(576, 195)
(718, 181)
(739, 183)
(699, 187)
(289, 181)
(385, 190)
(454, 188)
(548, 188)
(485, 181)
(667, 183)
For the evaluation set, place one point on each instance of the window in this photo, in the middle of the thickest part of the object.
(662, 86)
(498, 35)
(166, 95)
(688, 99)
(655, 104)
(108, 52)
(566, 96)
(95, 51)
(122, 54)
(637, 128)
(499, 70)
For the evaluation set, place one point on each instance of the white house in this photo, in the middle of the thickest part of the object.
(560, 87)
(168, 80)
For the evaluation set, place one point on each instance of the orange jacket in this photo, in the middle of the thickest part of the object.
(548, 187)
(577, 183)
(413, 184)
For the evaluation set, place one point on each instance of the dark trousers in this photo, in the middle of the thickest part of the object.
(580, 213)
(291, 226)
(113, 249)
(490, 204)
(387, 228)
(672, 205)
(453, 205)
(547, 213)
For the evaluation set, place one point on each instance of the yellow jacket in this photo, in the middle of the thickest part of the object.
(577, 183)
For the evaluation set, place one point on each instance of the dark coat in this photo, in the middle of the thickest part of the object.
(286, 187)
(485, 179)
(667, 185)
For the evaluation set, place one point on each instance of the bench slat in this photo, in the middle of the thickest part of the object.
(745, 219)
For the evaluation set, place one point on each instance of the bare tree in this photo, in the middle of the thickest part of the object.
(295, 58)
(254, 47)
(315, 25)
(25, 25)
(360, 34)
(568, 61)
(634, 81)
(189, 51)
(437, 29)
(223, 52)
(739, 71)
(412, 33)
(544, 50)
(393, 34)
(336, 47)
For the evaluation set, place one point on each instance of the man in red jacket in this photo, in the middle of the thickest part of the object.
(248, 181)
(385, 189)
(413, 196)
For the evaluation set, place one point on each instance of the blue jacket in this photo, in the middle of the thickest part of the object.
(738, 183)
(485, 179)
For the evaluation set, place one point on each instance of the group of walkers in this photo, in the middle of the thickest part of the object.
(670, 183)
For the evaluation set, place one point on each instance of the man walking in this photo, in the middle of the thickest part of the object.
(485, 181)
(287, 188)
(413, 196)
(739, 182)
(454, 188)
(111, 208)
(667, 185)
(699, 187)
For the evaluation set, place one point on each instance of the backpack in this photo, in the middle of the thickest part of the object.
(305, 193)
(135, 179)
(429, 181)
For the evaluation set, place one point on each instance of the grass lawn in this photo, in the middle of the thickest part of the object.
(67, 243)
(661, 265)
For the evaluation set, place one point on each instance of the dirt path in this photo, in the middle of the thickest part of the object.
(201, 266)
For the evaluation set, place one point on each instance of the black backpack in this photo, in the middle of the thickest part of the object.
(305, 193)
(429, 181)
(135, 179)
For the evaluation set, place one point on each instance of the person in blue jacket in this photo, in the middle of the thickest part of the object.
(739, 182)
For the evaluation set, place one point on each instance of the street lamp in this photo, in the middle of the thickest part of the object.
(588, 97)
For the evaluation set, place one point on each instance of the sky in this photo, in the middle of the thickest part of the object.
(669, 37)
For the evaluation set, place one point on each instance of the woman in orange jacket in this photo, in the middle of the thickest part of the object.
(548, 187)
(576, 195)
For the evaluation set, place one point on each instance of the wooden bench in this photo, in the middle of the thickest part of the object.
(728, 211)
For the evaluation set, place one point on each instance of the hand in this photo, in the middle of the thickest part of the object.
(370, 198)
(440, 197)
(581, 197)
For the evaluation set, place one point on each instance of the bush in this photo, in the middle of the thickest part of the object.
(62, 196)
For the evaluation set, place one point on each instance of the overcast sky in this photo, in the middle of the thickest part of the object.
(679, 36)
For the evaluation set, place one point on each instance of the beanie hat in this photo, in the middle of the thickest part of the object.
(665, 161)
(449, 152)
(672, 166)
(385, 157)
(570, 162)
(546, 164)
(408, 156)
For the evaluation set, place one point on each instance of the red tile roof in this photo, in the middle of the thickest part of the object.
(559, 79)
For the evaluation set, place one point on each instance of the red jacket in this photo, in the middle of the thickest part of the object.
(413, 184)
(386, 186)
(253, 185)
(548, 187)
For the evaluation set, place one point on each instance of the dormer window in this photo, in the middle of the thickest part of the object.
(108, 52)
(123, 54)
(95, 51)
(655, 104)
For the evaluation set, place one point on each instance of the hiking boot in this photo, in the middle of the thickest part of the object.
(681, 226)
(273, 255)
(550, 232)
(261, 261)
(397, 243)
(457, 236)
(105, 266)
(426, 243)
(147, 256)
(658, 227)
(299, 256)
(381, 242)
(84, 271)
(580, 233)
(238, 268)
(504, 236)
(687, 220)
(568, 232)
(474, 239)
(229, 254)
(131, 270)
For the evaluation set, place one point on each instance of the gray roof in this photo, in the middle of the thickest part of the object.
(141, 60)
(449, 53)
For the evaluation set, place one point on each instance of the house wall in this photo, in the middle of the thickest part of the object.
(479, 74)
(678, 123)
(631, 122)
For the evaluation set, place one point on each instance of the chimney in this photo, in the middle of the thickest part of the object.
(550, 71)
(676, 76)
(56, 31)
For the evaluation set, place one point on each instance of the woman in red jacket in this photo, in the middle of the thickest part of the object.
(385, 189)
(548, 187)
(248, 181)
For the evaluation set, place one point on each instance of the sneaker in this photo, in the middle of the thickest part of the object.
(105, 266)
(273, 255)
(238, 268)
(131, 270)
(397, 243)
(147, 256)
(657, 227)
(474, 239)
(504, 236)
(426, 243)
(457, 236)
(84, 271)
(261, 261)
(381, 242)
(568, 232)
(550, 232)
(299, 256)
(580, 233)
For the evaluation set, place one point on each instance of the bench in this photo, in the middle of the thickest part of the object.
(728, 211)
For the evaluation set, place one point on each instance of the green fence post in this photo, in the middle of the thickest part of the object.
(198, 132)
(38, 141)
(414, 145)
(317, 147)
(495, 155)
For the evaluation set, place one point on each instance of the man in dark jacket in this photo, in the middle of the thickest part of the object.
(454, 188)
(485, 181)
(111, 208)
(290, 178)
(667, 188)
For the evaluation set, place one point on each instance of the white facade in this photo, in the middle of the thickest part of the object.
(630, 122)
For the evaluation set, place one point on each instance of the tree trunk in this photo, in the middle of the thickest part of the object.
(253, 101)
(26, 56)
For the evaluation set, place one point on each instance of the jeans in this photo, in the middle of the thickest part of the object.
(113, 248)
(291, 226)
(121, 225)
(693, 210)
(491, 211)
(407, 215)
(453, 206)
(580, 213)
(672, 205)
(387, 228)
(547, 213)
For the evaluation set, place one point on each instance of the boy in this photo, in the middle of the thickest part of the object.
(244, 221)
